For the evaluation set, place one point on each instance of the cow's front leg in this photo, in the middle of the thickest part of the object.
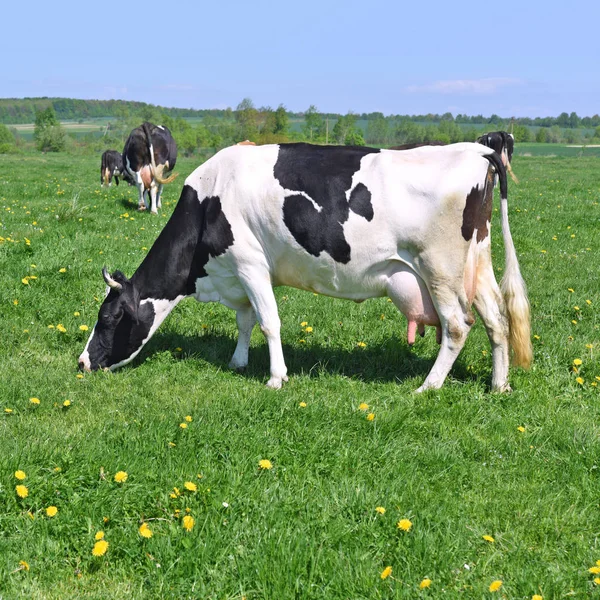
(257, 284)
(159, 195)
(246, 319)
(139, 184)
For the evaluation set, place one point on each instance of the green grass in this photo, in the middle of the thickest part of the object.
(451, 461)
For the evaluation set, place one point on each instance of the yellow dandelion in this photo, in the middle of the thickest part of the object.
(23, 565)
(83, 327)
(588, 302)
(66, 403)
(594, 570)
(380, 510)
(34, 400)
(265, 463)
(63, 270)
(570, 290)
(576, 308)
(190, 487)
(20, 475)
(363, 406)
(521, 428)
(145, 531)
(302, 405)
(574, 321)
(57, 469)
(495, 585)
(370, 416)
(597, 580)
(25, 281)
(577, 362)
(188, 522)
(488, 538)
(308, 329)
(22, 491)
(76, 314)
(183, 425)
(580, 380)
(303, 324)
(99, 535)
(8, 410)
(188, 419)
(15, 302)
(60, 327)
(100, 548)
(589, 346)
(121, 477)
(404, 524)
(536, 337)
(51, 511)
(386, 573)
(361, 345)
(79, 376)
(425, 583)
(178, 349)
(537, 597)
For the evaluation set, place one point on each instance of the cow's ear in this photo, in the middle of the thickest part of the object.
(131, 308)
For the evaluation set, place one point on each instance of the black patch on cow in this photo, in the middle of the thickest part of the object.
(360, 201)
(324, 174)
(195, 232)
(478, 209)
(113, 161)
(498, 141)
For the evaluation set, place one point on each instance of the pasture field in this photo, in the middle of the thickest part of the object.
(458, 464)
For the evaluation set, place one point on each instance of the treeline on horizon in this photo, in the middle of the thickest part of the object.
(204, 132)
(16, 111)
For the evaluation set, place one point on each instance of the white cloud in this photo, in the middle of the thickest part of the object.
(488, 85)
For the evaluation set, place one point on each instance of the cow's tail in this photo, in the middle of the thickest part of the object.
(512, 285)
(157, 171)
(510, 171)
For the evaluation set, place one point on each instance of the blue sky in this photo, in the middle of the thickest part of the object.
(509, 58)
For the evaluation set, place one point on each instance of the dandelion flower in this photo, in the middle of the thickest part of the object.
(370, 416)
(23, 565)
(363, 406)
(22, 491)
(537, 597)
(66, 403)
(495, 585)
(574, 321)
(597, 580)
(303, 324)
(60, 327)
(577, 362)
(63, 270)
(302, 405)
(404, 524)
(25, 281)
(34, 400)
(188, 419)
(76, 314)
(51, 511)
(83, 327)
(121, 477)
(100, 548)
(308, 329)
(489, 538)
(99, 535)
(588, 302)
(521, 428)
(425, 583)
(79, 376)
(183, 425)
(145, 531)
(594, 570)
(580, 380)
(8, 410)
(589, 346)
(190, 487)
(20, 475)
(265, 463)
(188, 522)
(386, 573)
(361, 345)
(570, 290)
(380, 510)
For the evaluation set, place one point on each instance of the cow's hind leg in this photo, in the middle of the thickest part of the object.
(456, 320)
(257, 285)
(159, 195)
(490, 306)
(246, 319)
(153, 208)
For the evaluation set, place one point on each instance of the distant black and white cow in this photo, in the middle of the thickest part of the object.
(347, 222)
(504, 144)
(111, 166)
(150, 153)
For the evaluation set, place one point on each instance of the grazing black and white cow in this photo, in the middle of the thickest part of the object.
(111, 166)
(347, 222)
(504, 145)
(150, 153)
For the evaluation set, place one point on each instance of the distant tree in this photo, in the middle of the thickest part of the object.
(314, 124)
(574, 120)
(281, 120)
(345, 131)
(246, 117)
(562, 120)
(541, 137)
(377, 129)
(522, 133)
(48, 134)
(7, 140)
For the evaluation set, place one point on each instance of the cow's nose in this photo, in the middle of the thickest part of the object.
(84, 367)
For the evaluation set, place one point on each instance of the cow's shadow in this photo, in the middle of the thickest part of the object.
(128, 203)
(391, 360)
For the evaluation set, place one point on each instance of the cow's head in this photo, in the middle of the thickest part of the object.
(122, 329)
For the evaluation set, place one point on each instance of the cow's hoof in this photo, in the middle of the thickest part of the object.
(275, 383)
(141, 208)
(502, 389)
(153, 212)
(237, 368)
